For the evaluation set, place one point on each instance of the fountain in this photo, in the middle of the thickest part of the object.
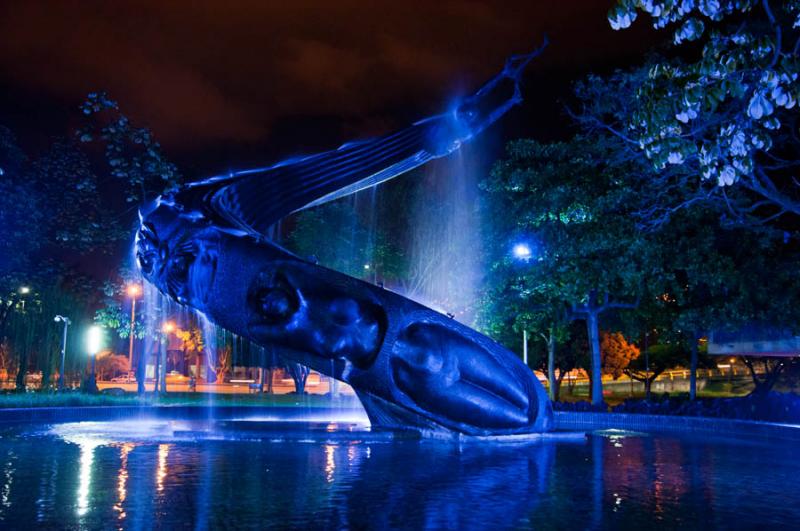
(206, 246)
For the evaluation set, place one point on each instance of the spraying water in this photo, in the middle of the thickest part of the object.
(445, 247)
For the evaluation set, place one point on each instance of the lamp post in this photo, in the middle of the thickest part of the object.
(23, 290)
(133, 290)
(523, 252)
(94, 343)
(525, 347)
(67, 322)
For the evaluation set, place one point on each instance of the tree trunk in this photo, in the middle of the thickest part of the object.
(141, 374)
(647, 383)
(557, 386)
(156, 370)
(197, 365)
(163, 363)
(762, 387)
(551, 365)
(263, 364)
(594, 346)
(47, 372)
(299, 374)
(693, 370)
(22, 369)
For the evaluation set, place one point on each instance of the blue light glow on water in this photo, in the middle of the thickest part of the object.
(146, 474)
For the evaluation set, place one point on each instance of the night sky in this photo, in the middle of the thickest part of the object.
(233, 84)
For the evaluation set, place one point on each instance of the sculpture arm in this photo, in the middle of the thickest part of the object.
(253, 200)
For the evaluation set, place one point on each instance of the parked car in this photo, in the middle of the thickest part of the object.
(174, 377)
(127, 378)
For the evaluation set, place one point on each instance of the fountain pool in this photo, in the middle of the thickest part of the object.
(268, 473)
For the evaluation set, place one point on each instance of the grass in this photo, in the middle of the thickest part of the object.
(76, 399)
(615, 395)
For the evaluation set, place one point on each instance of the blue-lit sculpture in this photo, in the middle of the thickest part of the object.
(205, 246)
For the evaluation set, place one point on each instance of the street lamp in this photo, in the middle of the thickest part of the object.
(522, 251)
(94, 343)
(67, 322)
(23, 290)
(133, 291)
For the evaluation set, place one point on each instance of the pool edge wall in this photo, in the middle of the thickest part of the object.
(590, 421)
(563, 420)
(106, 413)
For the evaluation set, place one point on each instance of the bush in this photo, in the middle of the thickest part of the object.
(582, 407)
(770, 407)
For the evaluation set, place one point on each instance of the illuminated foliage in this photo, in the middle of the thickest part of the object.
(589, 256)
(729, 115)
(132, 154)
(617, 353)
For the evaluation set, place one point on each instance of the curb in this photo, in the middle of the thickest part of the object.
(587, 421)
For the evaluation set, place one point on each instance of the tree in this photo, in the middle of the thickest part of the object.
(617, 353)
(337, 237)
(132, 153)
(111, 365)
(71, 201)
(192, 342)
(574, 209)
(48, 206)
(113, 316)
(656, 360)
(771, 369)
(299, 374)
(728, 115)
(223, 367)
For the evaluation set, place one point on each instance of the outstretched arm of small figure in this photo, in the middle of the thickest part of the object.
(253, 200)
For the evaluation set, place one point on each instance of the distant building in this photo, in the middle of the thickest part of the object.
(755, 340)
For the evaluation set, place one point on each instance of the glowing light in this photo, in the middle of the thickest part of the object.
(330, 463)
(133, 290)
(168, 327)
(161, 471)
(94, 340)
(85, 475)
(24, 290)
(366, 266)
(522, 251)
(122, 479)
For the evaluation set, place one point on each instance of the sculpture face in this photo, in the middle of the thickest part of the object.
(411, 366)
(177, 256)
(290, 306)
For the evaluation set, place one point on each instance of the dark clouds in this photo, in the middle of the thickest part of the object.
(211, 78)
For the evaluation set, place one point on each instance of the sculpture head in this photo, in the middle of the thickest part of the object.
(177, 252)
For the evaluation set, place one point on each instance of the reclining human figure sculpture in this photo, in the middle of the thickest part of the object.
(205, 246)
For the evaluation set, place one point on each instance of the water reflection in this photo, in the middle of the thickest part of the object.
(161, 472)
(122, 478)
(330, 462)
(85, 475)
(616, 481)
(451, 487)
(8, 479)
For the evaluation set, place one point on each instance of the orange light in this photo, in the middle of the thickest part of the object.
(168, 327)
(134, 290)
(733, 360)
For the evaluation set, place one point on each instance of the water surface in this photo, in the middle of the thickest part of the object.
(159, 474)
